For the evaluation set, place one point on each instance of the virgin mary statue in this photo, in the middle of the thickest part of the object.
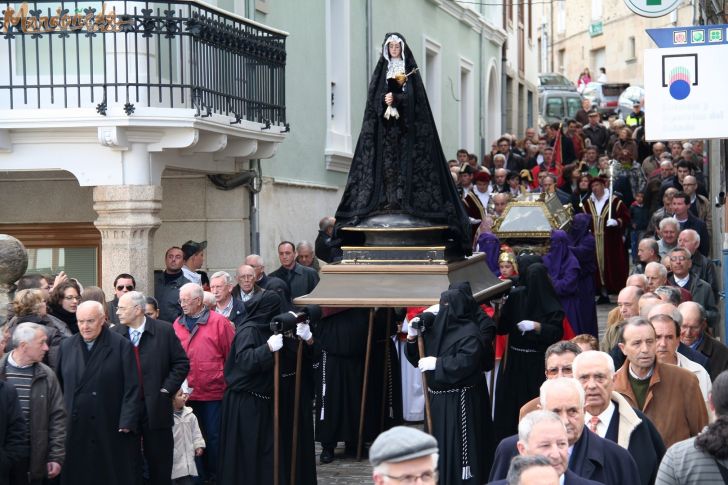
(399, 175)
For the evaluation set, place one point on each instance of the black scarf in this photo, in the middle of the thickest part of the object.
(68, 317)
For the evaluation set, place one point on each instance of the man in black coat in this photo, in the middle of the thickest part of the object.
(162, 366)
(591, 457)
(681, 208)
(610, 416)
(100, 383)
(514, 162)
(14, 444)
(693, 335)
(300, 279)
(595, 132)
(221, 285)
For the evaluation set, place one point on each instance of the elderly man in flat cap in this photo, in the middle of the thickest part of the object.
(404, 454)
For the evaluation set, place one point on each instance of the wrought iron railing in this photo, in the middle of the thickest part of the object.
(181, 54)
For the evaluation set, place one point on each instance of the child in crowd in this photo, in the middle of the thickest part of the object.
(188, 441)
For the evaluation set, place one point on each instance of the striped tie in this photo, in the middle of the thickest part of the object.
(593, 422)
(135, 336)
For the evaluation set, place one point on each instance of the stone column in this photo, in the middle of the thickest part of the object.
(128, 216)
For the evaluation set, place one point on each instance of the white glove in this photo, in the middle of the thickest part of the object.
(427, 363)
(612, 223)
(275, 342)
(412, 331)
(303, 330)
(526, 325)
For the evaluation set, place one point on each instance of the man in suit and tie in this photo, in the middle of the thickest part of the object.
(541, 433)
(610, 416)
(162, 366)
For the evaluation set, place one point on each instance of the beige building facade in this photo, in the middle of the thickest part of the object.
(601, 33)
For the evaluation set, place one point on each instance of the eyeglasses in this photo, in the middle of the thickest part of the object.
(246, 277)
(149, 314)
(128, 287)
(69, 298)
(425, 477)
(184, 301)
(554, 371)
(678, 258)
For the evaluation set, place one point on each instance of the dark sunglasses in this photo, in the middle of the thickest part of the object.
(128, 287)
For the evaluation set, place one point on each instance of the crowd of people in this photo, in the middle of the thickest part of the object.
(177, 385)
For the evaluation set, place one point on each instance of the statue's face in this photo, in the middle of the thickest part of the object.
(395, 50)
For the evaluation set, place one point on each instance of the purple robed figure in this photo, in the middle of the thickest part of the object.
(563, 268)
(583, 246)
(489, 244)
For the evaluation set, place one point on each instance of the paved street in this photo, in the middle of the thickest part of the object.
(345, 470)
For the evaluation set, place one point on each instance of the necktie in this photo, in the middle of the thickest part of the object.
(135, 336)
(593, 422)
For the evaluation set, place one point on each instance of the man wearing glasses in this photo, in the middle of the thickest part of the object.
(559, 357)
(609, 415)
(404, 455)
(591, 456)
(681, 276)
(206, 337)
(123, 284)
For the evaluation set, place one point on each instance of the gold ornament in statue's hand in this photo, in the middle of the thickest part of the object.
(401, 78)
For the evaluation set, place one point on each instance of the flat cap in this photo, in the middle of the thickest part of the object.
(401, 443)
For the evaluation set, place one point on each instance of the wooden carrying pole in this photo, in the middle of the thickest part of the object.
(276, 416)
(296, 410)
(385, 378)
(362, 409)
(421, 349)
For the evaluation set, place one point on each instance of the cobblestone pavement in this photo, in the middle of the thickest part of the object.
(346, 470)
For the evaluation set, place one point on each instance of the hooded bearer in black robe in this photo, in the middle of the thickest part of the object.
(341, 340)
(399, 167)
(457, 390)
(246, 441)
(522, 370)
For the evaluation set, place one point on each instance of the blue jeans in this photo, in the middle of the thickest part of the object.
(208, 416)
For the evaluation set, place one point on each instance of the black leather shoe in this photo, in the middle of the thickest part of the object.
(603, 300)
(327, 455)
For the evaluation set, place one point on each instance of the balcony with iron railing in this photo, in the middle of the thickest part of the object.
(182, 78)
(180, 54)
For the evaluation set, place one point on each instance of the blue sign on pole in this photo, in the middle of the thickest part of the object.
(700, 35)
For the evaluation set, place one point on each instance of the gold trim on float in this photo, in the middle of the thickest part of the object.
(394, 261)
(393, 229)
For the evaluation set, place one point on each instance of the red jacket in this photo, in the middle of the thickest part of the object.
(207, 348)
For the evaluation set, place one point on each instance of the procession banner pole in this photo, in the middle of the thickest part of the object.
(276, 417)
(421, 350)
(367, 358)
(296, 405)
(385, 380)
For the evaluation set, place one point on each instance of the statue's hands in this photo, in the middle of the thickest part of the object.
(388, 99)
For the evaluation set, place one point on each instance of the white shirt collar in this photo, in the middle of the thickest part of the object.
(605, 417)
(681, 281)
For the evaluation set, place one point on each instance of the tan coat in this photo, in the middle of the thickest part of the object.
(674, 402)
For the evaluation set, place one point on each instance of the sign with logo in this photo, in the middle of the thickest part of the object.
(652, 8)
(684, 81)
(596, 28)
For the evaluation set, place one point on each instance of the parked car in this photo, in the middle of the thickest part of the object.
(630, 96)
(554, 81)
(605, 96)
(556, 106)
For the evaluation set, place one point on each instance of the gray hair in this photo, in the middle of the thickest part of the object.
(195, 290)
(634, 322)
(652, 243)
(682, 250)
(702, 315)
(639, 276)
(498, 156)
(672, 294)
(304, 244)
(561, 383)
(256, 257)
(138, 299)
(692, 232)
(26, 332)
(100, 312)
(521, 463)
(594, 353)
(661, 268)
(223, 274)
(560, 348)
(326, 222)
(669, 220)
(525, 425)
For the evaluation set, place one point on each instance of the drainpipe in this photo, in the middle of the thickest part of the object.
(504, 94)
(481, 91)
(368, 53)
